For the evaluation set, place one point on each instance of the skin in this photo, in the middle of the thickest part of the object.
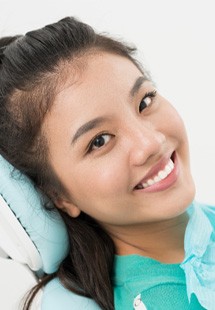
(101, 182)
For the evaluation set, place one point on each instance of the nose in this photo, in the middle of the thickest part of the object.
(144, 142)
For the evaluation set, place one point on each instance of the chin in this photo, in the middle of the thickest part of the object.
(183, 201)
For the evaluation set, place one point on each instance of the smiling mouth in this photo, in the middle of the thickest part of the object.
(159, 176)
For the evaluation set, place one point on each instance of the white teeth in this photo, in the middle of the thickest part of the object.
(150, 182)
(157, 179)
(162, 174)
(171, 164)
(168, 169)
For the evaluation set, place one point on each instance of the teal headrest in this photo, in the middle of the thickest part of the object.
(45, 228)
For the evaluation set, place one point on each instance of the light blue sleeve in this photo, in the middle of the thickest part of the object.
(56, 297)
(199, 262)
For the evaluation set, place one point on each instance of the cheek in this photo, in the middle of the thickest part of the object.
(172, 124)
(102, 181)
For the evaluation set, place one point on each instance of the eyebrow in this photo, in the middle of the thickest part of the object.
(87, 127)
(92, 124)
(138, 83)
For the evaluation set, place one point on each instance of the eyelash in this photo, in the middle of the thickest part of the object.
(149, 95)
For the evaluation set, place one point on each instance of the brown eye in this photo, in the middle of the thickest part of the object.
(147, 100)
(99, 141)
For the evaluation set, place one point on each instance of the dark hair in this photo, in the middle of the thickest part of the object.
(32, 70)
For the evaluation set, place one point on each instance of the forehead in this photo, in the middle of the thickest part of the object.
(97, 87)
(95, 73)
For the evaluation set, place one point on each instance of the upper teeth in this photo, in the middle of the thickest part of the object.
(162, 174)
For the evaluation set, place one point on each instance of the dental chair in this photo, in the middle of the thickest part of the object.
(33, 242)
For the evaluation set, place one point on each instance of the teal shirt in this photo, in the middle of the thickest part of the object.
(162, 286)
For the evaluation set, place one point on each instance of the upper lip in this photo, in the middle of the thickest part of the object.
(160, 165)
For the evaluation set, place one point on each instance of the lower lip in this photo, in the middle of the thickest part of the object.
(165, 183)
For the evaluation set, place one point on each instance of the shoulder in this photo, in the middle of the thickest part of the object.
(56, 297)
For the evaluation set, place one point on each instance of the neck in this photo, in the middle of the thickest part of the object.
(163, 241)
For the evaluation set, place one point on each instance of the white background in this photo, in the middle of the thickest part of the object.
(176, 40)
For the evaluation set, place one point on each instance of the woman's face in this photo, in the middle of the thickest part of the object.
(118, 147)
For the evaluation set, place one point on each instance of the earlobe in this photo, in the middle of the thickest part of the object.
(68, 207)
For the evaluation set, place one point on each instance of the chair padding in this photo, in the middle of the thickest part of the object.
(37, 236)
(57, 297)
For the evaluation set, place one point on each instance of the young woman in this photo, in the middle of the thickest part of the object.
(81, 117)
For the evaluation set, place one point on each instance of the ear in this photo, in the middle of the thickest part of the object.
(67, 206)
